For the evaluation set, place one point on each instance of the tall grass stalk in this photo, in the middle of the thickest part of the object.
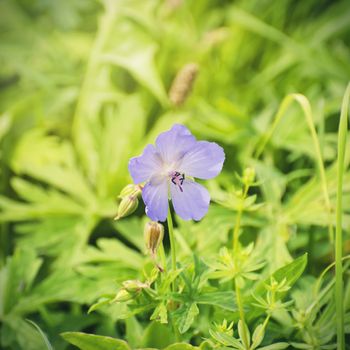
(342, 136)
(235, 251)
(306, 108)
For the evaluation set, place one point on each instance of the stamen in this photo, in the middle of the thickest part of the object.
(178, 179)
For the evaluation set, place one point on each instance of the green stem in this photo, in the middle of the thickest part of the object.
(238, 221)
(241, 314)
(235, 251)
(172, 245)
(162, 256)
(342, 136)
(306, 108)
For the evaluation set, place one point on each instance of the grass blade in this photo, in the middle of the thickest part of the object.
(42, 334)
(342, 136)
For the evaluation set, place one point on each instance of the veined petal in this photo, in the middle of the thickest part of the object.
(192, 202)
(204, 160)
(143, 167)
(174, 143)
(155, 196)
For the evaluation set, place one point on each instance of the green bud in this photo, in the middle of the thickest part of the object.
(134, 286)
(248, 176)
(127, 206)
(130, 190)
(122, 295)
(153, 234)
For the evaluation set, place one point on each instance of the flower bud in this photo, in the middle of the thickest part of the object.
(134, 286)
(153, 234)
(127, 206)
(122, 295)
(248, 176)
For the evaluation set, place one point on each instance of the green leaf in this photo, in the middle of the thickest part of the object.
(258, 335)
(225, 300)
(185, 315)
(160, 313)
(181, 346)
(226, 339)
(291, 272)
(137, 56)
(24, 334)
(16, 278)
(152, 336)
(242, 331)
(101, 302)
(276, 346)
(86, 341)
(42, 334)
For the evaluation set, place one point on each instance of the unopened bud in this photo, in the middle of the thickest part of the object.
(127, 206)
(183, 83)
(153, 234)
(122, 295)
(134, 286)
(249, 176)
(130, 189)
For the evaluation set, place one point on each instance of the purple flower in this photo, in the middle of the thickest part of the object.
(168, 168)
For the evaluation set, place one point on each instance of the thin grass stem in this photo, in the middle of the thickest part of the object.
(235, 251)
(306, 108)
(339, 287)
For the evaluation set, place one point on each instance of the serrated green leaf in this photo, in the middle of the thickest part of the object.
(185, 315)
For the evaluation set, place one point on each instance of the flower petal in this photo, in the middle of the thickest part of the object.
(193, 202)
(174, 143)
(155, 196)
(141, 168)
(204, 160)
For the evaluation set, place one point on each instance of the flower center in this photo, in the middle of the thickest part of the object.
(177, 179)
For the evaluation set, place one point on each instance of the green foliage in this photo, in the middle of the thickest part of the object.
(94, 342)
(85, 85)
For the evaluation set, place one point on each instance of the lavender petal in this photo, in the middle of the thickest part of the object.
(143, 167)
(204, 160)
(192, 202)
(155, 196)
(174, 143)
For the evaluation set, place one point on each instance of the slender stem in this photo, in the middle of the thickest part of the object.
(238, 221)
(162, 256)
(266, 321)
(241, 314)
(172, 244)
(235, 251)
(342, 136)
(306, 108)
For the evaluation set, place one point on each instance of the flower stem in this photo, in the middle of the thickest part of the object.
(241, 314)
(342, 136)
(172, 245)
(162, 256)
(238, 220)
(235, 251)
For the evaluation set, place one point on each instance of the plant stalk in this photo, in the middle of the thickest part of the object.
(339, 286)
(172, 245)
(235, 251)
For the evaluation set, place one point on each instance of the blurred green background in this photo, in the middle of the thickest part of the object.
(85, 84)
